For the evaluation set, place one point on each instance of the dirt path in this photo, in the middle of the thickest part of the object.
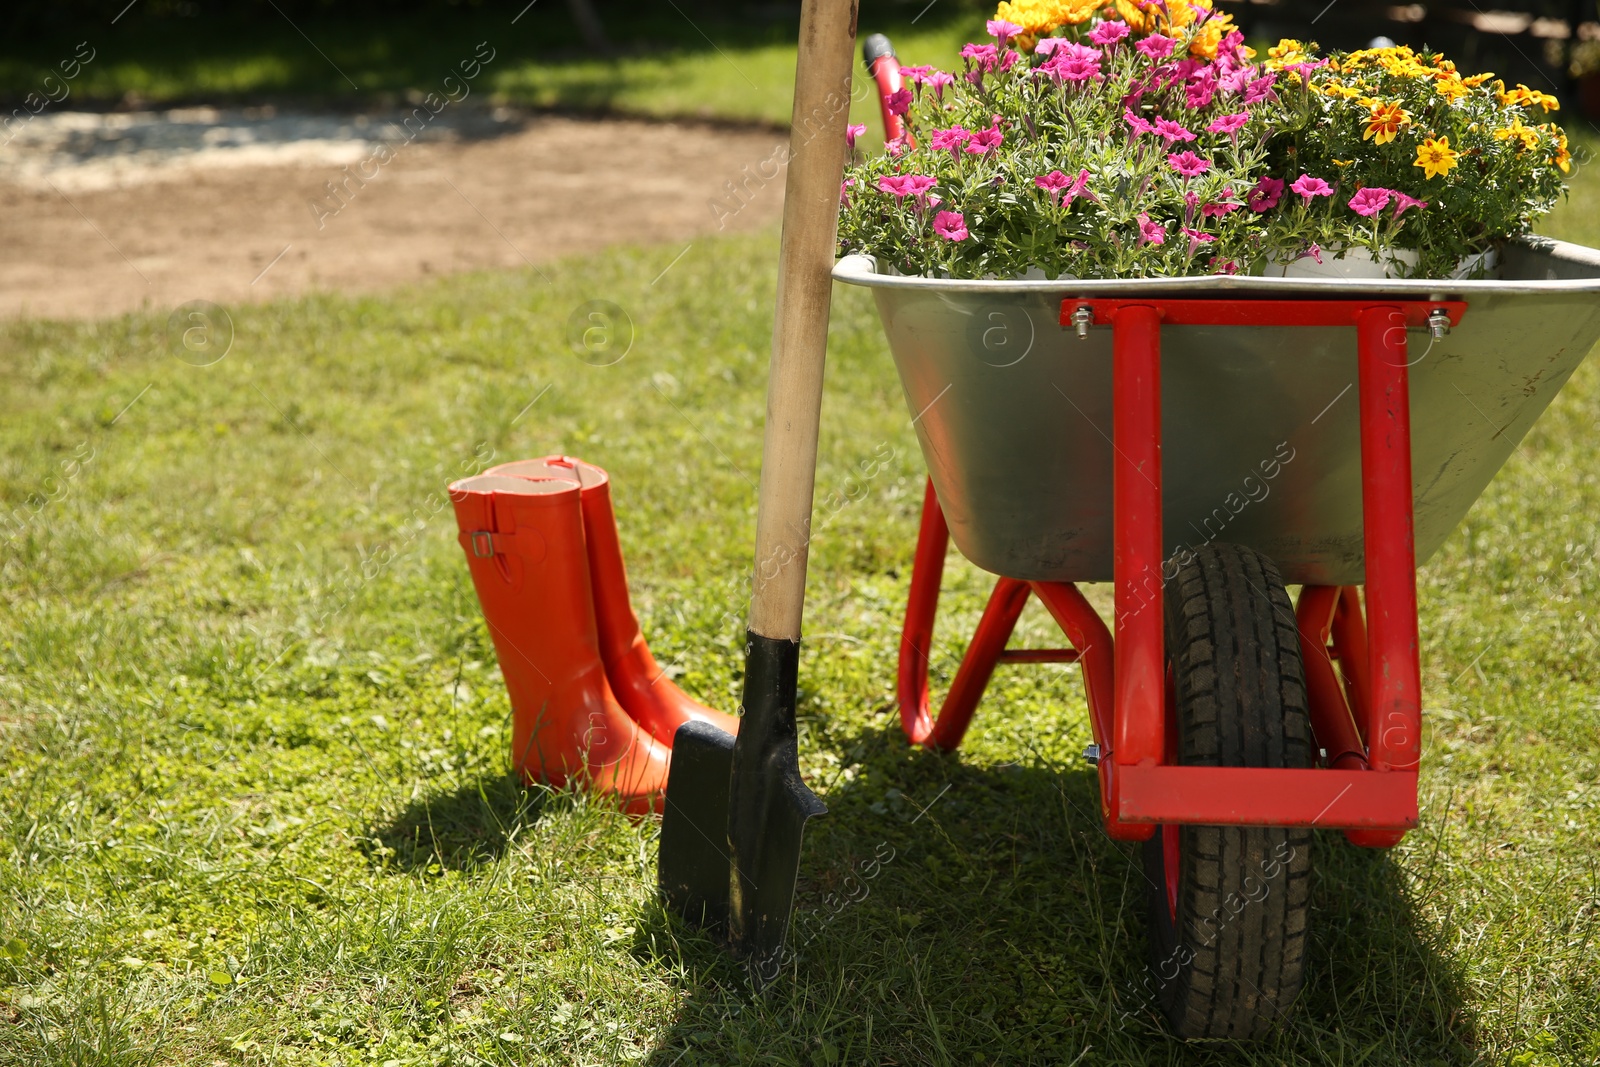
(101, 214)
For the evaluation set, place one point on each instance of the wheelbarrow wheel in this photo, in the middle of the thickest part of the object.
(1229, 904)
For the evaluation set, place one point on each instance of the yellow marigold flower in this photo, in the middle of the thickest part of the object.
(1206, 42)
(1146, 17)
(1521, 96)
(1436, 157)
(1038, 17)
(1286, 53)
(1344, 92)
(1385, 122)
(1476, 80)
(1544, 100)
(1452, 90)
(1563, 158)
(1524, 135)
(1140, 15)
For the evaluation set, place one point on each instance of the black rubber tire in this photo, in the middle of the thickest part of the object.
(1231, 963)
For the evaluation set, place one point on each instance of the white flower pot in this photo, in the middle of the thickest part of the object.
(1360, 264)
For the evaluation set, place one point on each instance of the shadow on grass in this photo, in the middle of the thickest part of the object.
(955, 913)
(459, 830)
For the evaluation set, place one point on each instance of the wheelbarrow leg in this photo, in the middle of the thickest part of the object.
(1394, 726)
(1394, 732)
(983, 653)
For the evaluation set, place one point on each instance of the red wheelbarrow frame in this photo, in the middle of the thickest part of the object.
(1366, 714)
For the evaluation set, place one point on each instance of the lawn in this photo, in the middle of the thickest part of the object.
(253, 740)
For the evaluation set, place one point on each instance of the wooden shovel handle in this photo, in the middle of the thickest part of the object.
(800, 330)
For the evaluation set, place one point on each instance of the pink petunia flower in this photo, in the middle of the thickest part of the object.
(1048, 45)
(1107, 34)
(1259, 89)
(949, 140)
(983, 141)
(898, 102)
(1062, 188)
(1009, 58)
(1001, 30)
(1073, 62)
(937, 80)
(1172, 131)
(915, 74)
(1217, 208)
(1188, 164)
(1313, 250)
(1197, 238)
(1308, 187)
(1137, 123)
(950, 225)
(1265, 196)
(1236, 81)
(851, 133)
(1404, 203)
(1368, 202)
(1150, 232)
(904, 185)
(1201, 87)
(1227, 266)
(1229, 124)
(1230, 51)
(986, 55)
(1156, 46)
(844, 187)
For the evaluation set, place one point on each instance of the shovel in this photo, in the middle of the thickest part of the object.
(736, 808)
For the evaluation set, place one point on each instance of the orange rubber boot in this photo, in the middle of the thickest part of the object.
(639, 682)
(524, 545)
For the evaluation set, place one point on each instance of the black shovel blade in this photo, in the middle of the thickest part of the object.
(736, 812)
(768, 806)
(694, 864)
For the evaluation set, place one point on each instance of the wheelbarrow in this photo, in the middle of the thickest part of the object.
(1203, 444)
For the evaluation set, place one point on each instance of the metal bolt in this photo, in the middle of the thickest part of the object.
(1092, 754)
(1438, 323)
(1083, 318)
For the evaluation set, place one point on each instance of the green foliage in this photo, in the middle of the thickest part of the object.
(1202, 164)
(1129, 211)
(1371, 119)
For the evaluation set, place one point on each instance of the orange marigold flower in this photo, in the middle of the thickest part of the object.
(1385, 122)
(1452, 89)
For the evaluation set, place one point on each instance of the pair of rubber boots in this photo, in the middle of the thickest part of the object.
(589, 703)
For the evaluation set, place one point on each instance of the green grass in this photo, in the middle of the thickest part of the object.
(253, 741)
(667, 65)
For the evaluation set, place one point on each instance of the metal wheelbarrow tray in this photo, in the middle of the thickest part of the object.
(1259, 429)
